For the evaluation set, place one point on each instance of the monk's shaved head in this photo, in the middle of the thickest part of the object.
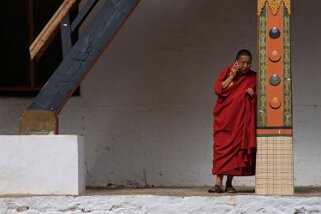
(243, 53)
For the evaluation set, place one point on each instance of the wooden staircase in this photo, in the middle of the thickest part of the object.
(42, 115)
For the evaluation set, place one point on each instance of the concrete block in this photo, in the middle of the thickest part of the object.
(42, 165)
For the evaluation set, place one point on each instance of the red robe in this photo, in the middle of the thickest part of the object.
(234, 126)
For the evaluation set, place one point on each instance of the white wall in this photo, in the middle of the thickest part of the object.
(118, 204)
(306, 74)
(147, 104)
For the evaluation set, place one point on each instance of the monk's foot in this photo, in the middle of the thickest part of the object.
(216, 189)
(230, 189)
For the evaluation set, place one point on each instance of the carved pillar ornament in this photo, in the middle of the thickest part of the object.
(274, 5)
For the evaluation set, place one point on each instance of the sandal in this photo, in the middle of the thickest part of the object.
(216, 189)
(230, 189)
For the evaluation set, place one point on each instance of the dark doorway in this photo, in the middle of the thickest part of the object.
(21, 21)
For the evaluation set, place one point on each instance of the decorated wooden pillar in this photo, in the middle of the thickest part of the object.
(274, 167)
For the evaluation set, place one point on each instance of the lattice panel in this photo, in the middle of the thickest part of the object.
(274, 166)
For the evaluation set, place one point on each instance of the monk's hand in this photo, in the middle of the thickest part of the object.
(234, 70)
(250, 92)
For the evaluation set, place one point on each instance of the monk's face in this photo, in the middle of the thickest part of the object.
(244, 63)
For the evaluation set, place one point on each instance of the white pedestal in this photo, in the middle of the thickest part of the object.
(42, 165)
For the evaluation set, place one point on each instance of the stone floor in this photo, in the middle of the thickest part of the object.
(191, 191)
(181, 191)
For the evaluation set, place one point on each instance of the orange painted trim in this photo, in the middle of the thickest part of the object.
(275, 116)
(274, 131)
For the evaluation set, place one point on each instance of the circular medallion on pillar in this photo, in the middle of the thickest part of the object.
(274, 56)
(275, 103)
(274, 33)
(275, 80)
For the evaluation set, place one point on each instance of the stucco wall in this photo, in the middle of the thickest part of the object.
(146, 108)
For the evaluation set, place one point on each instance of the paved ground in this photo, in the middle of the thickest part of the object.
(191, 191)
(181, 191)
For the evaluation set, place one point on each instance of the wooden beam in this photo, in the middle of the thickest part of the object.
(43, 39)
(90, 4)
(65, 36)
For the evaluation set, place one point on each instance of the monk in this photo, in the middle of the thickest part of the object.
(234, 123)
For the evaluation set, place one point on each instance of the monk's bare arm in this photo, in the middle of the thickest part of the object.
(229, 79)
(227, 82)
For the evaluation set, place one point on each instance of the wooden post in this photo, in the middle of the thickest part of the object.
(65, 36)
(274, 166)
(38, 122)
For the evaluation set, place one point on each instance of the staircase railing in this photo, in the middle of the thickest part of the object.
(60, 19)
